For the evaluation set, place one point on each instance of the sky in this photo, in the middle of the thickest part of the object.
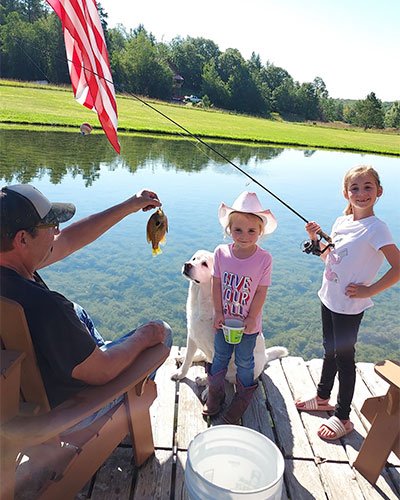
(353, 45)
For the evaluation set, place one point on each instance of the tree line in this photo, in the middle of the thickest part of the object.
(32, 48)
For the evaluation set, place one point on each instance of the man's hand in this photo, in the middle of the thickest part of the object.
(144, 200)
(150, 334)
(102, 366)
(79, 234)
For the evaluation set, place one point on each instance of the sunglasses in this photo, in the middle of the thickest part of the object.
(54, 225)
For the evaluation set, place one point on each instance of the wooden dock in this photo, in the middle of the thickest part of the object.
(314, 469)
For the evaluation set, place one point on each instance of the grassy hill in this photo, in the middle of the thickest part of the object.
(37, 106)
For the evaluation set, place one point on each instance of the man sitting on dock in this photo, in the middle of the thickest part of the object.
(70, 352)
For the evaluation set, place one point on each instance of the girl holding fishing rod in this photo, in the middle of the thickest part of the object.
(361, 243)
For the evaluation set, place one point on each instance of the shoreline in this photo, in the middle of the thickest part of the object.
(170, 135)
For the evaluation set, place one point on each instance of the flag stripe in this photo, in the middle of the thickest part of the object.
(88, 61)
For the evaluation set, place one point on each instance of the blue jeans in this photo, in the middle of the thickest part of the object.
(87, 321)
(104, 345)
(244, 356)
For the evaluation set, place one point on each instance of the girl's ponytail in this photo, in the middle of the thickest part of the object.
(348, 210)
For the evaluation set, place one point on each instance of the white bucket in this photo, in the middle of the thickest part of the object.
(233, 462)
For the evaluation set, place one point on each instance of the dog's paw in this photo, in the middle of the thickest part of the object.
(275, 352)
(201, 381)
(199, 357)
(179, 375)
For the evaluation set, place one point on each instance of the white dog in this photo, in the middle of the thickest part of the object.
(200, 329)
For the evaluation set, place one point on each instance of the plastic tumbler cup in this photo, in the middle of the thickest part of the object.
(233, 331)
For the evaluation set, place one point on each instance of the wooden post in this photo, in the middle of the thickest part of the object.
(139, 421)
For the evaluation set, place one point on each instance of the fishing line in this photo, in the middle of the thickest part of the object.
(197, 138)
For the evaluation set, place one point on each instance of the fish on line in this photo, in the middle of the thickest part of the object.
(156, 230)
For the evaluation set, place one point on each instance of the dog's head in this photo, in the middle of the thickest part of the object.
(198, 268)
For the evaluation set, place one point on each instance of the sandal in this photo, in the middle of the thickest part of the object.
(336, 426)
(313, 404)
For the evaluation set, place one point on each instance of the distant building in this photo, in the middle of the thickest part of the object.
(177, 82)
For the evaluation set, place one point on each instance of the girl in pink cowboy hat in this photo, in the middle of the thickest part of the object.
(241, 277)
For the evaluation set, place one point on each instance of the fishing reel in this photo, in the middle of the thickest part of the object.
(312, 246)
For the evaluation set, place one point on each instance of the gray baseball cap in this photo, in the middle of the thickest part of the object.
(23, 206)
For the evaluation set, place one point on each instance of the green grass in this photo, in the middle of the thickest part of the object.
(35, 106)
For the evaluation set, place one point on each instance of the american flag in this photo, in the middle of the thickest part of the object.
(88, 62)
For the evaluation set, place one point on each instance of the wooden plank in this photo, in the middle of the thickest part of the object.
(257, 417)
(385, 486)
(339, 481)
(288, 425)
(162, 411)
(305, 478)
(301, 383)
(284, 492)
(153, 480)
(180, 492)
(302, 480)
(114, 478)
(389, 371)
(190, 420)
(375, 383)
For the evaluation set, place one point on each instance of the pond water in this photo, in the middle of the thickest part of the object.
(122, 285)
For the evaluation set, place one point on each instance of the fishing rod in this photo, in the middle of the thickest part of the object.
(308, 247)
(312, 247)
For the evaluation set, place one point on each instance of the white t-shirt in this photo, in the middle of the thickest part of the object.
(356, 258)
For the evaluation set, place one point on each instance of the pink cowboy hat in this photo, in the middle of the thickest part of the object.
(248, 203)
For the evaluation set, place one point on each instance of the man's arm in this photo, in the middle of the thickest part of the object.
(85, 231)
(102, 366)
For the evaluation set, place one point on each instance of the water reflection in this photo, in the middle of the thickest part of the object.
(28, 155)
(120, 283)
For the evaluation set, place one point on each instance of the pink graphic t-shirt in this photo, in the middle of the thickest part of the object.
(240, 279)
